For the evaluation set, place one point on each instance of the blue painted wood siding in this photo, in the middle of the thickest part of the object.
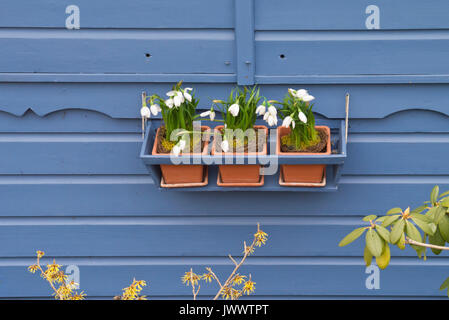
(72, 183)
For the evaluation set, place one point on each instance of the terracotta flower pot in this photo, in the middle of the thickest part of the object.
(248, 175)
(302, 173)
(182, 173)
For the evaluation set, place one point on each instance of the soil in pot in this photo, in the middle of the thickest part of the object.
(182, 173)
(303, 173)
(242, 174)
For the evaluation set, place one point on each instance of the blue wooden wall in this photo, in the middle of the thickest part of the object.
(72, 183)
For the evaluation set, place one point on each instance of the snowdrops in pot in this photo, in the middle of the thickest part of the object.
(177, 135)
(298, 135)
(239, 135)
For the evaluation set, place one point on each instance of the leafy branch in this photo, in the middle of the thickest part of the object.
(400, 227)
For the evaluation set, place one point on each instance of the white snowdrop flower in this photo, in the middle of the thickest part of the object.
(308, 98)
(225, 145)
(155, 109)
(272, 110)
(293, 124)
(301, 93)
(287, 121)
(171, 93)
(209, 113)
(272, 120)
(266, 115)
(176, 150)
(260, 110)
(302, 117)
(234, 109)
(187, 94)
(178, 99)
(145, 112)
(169, 103)
(292, 92)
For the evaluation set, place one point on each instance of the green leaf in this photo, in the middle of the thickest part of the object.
(419, 209)
(424, 223)
(401, 242)
(352, 236)
(445, 202)
(434, 194)
(374, 242)
(384, 233)
(371, 217)
(412, 232)
(367, 256)
(389, 220)
(397, 231)
(394, 210)
(443, 227)
(445, 284)
(444, 194)
(440, 212)
(383, 260)
(431, 213)
(437, 240)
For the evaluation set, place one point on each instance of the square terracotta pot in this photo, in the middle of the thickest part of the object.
(246, 174)
(183, 173)
(302, 173)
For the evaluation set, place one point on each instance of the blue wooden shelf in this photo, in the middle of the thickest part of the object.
(333, 162)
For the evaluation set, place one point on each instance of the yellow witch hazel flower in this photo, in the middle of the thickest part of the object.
(249, 287)
(190, 278)
(33, 268)
(132, 292)
(261, 237)
(238, 279)
(207, 277)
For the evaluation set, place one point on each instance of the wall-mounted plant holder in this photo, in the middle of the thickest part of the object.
(333, 162)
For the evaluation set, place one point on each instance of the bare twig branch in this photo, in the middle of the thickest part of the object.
(426, 245)
(230, 257)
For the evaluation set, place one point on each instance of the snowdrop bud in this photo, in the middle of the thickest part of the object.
(292, 92)
(169, 103)
(301, 93)
(176, 150)
(272, 110)
(204, 114)
(287, 121)
(308, 98)
(234, 109)
(145, 112)
(155, 109)
(302, 117)
(293, 124)
(260, 111)
(212, 115)
(225, 146)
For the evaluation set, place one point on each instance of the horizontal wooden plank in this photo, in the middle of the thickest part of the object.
(329, 277)
(118, 51)
(307, 236)
(350, 14)
(351, 52)
(122, 100)
(120, 14)
(97, 195)
(118, 153)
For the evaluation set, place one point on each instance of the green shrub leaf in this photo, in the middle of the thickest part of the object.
(389, 220)
(369, 218)
(352, 236)
(434, 194)
(445, 284)
(374, 242)
(367, 256)
(443, 227)
(437, 240)
(397, 231)
(394, 211)
(384, 233)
